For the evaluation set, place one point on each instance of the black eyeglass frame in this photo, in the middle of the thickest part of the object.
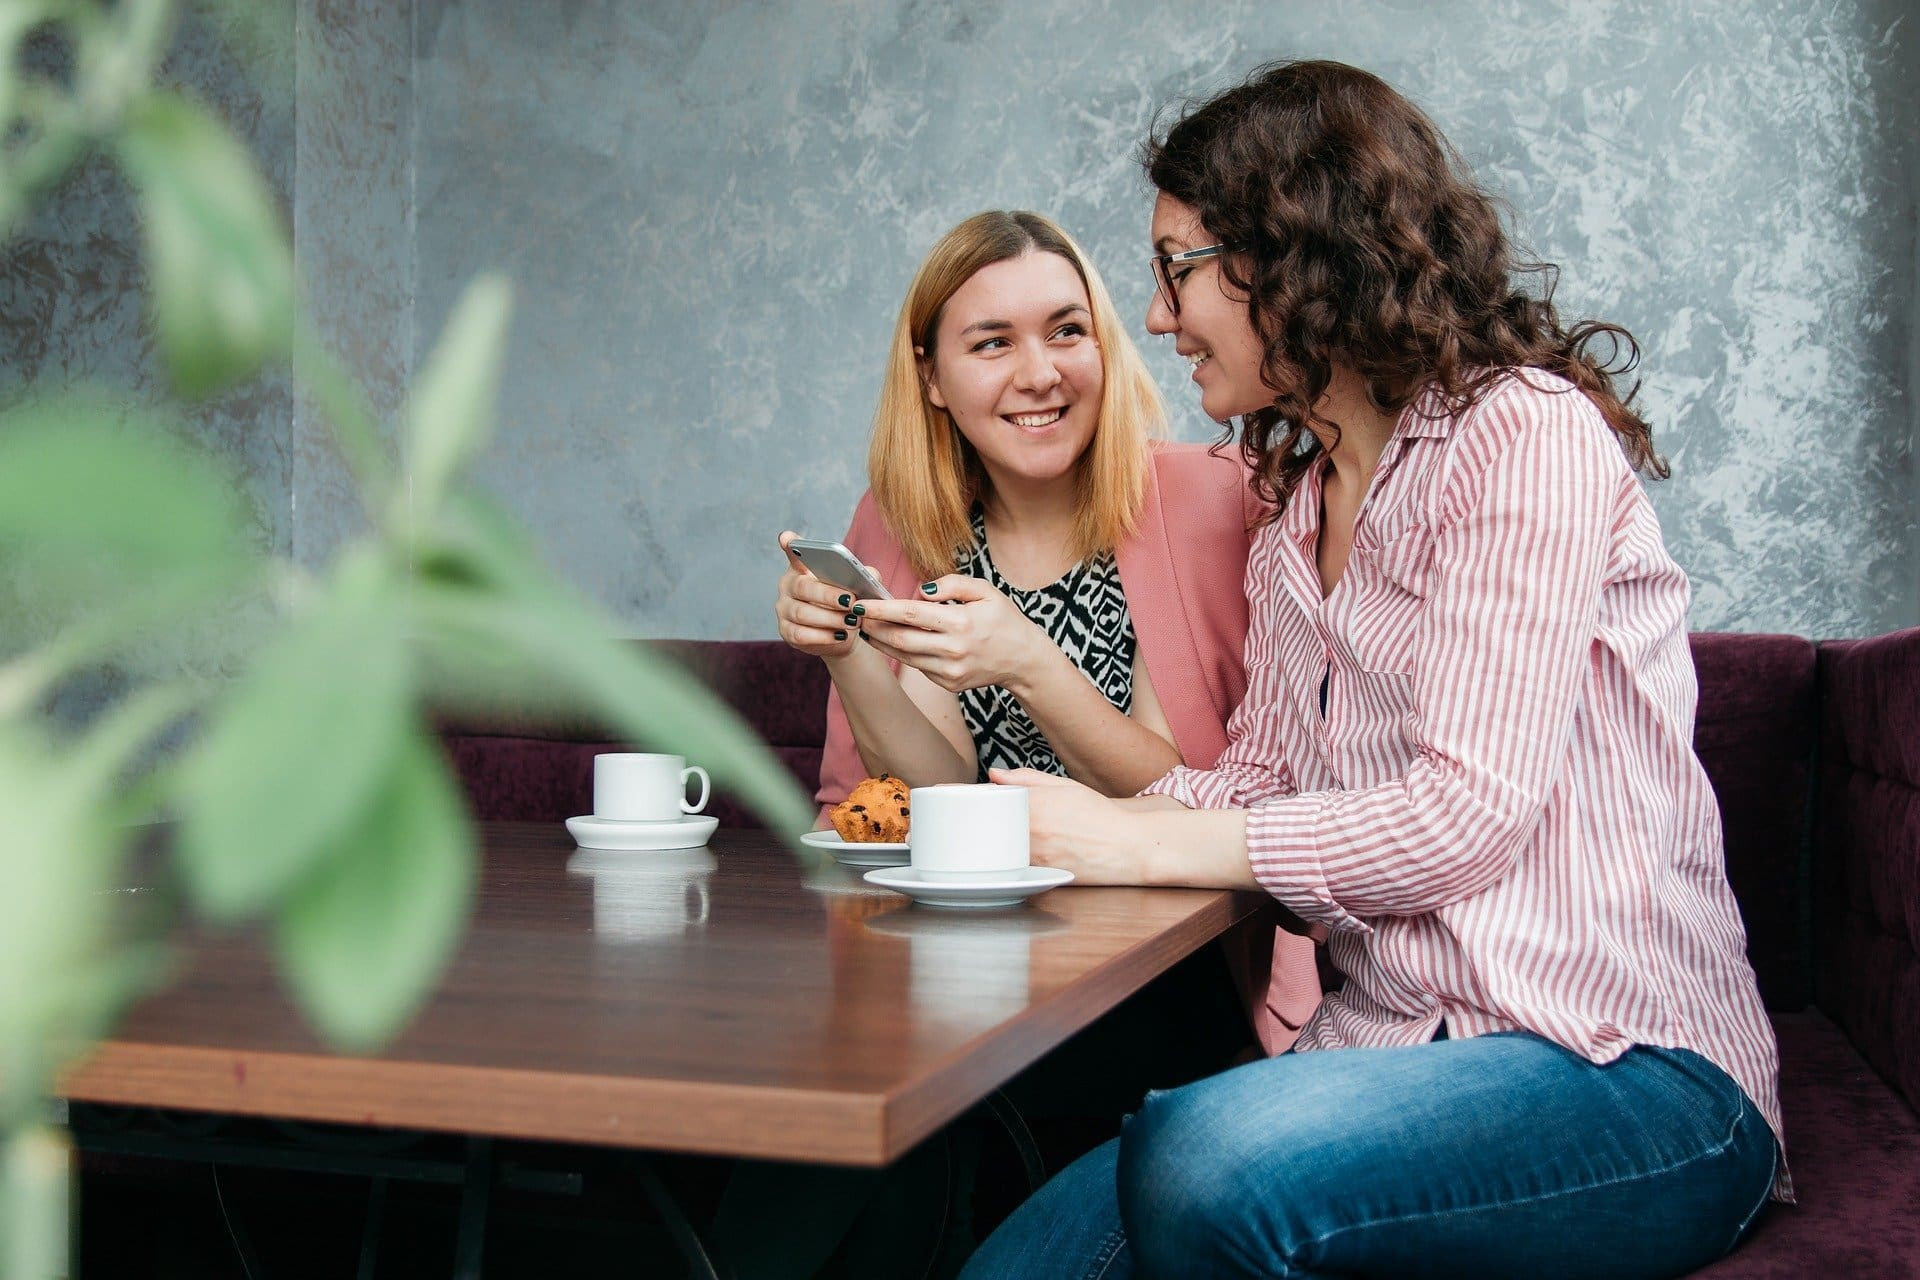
(1163, 264)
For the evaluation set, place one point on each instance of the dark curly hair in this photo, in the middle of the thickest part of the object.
(1366, 242)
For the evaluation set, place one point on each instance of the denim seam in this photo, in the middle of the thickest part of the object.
(1293, 1260)
(1108, 1251)
(1773, 1172)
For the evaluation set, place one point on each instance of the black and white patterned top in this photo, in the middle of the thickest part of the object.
(1085, 613)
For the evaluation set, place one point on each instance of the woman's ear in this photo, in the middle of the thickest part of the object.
(929, 385)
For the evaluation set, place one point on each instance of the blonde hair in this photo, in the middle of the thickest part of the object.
(925, 476)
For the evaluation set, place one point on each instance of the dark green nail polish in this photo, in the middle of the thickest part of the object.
(860, 610)
(845, 601)
(853, 620)
(929, 587)
(839, 635)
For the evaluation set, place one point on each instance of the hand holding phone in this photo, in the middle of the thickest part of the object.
(832, 562)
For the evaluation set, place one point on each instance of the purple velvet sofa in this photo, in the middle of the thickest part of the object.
(1814, 752)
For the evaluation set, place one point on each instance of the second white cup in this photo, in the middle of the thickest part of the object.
(968, 831)
(637, 786)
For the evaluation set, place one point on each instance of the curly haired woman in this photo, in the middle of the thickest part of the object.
(1465, 753)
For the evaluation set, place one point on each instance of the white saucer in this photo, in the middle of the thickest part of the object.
(857, 853)
(689, 832)
(999, 891)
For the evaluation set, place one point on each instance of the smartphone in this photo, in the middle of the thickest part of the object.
(832, 562)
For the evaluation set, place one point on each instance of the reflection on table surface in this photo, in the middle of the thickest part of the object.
(670, 998)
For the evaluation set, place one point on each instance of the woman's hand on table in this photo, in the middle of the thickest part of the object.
(961, 635)
(815, 617)
(1144, 840)
(1075, 828)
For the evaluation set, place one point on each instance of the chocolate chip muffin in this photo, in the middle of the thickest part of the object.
(876, 812)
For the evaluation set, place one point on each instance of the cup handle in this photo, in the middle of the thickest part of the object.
(706, 903)
(706, 788)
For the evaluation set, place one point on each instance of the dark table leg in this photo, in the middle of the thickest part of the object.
(699, 1262)
(474, 1197)
(370, 1234)
(1016, 1126)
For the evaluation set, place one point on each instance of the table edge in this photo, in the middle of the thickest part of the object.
(866, 1128)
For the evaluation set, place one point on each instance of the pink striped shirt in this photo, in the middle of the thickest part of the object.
(1500, 818)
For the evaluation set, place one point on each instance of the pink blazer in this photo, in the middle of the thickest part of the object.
(1183, 571)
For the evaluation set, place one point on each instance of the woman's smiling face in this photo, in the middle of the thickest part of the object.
(1016, 366)
(1213, 330)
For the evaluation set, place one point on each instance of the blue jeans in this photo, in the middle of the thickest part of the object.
(1500, 1155)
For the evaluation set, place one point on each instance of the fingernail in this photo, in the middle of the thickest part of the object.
(929, 587)
(860, 610)
(853, 619)
(839, 635)
(845, 601)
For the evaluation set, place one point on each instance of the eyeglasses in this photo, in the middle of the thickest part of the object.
(1164, 264)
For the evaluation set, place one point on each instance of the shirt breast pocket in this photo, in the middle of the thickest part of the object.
(1391, 597)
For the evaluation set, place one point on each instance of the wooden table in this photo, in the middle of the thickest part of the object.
(735, 1001)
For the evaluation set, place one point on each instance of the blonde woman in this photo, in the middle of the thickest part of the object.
(1067, 585)
(1067, 597)
(1020, 514)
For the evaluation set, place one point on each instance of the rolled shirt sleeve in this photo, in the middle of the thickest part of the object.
(1227, 786)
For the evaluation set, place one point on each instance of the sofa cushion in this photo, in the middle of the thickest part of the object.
(1867, 872)
(1754, 733)
(1855, 1152)
(534, 767)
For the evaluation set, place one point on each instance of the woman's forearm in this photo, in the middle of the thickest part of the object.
(1152, 840)
(891, 733)
(1200, 848)
(1098, 743)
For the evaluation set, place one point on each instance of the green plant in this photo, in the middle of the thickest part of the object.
(293, 761)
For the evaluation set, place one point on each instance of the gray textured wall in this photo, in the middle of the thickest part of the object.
(710, 213)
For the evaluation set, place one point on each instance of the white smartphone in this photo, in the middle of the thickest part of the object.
(832, 562)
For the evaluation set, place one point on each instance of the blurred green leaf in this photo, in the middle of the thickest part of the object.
(363, 939)
(116, 50)
(55, 859)
(300, 746)
(486, 607)
(452, 409)
(81, 477)
(218, 262)
(36, 1197)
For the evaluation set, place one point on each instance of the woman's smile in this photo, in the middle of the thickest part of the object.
(1036, 422)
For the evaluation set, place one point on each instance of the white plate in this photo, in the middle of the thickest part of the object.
(857, 853)
(1000, 891)
(689, 832)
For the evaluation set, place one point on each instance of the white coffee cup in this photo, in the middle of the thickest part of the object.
(636, 786)
(967, 831)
